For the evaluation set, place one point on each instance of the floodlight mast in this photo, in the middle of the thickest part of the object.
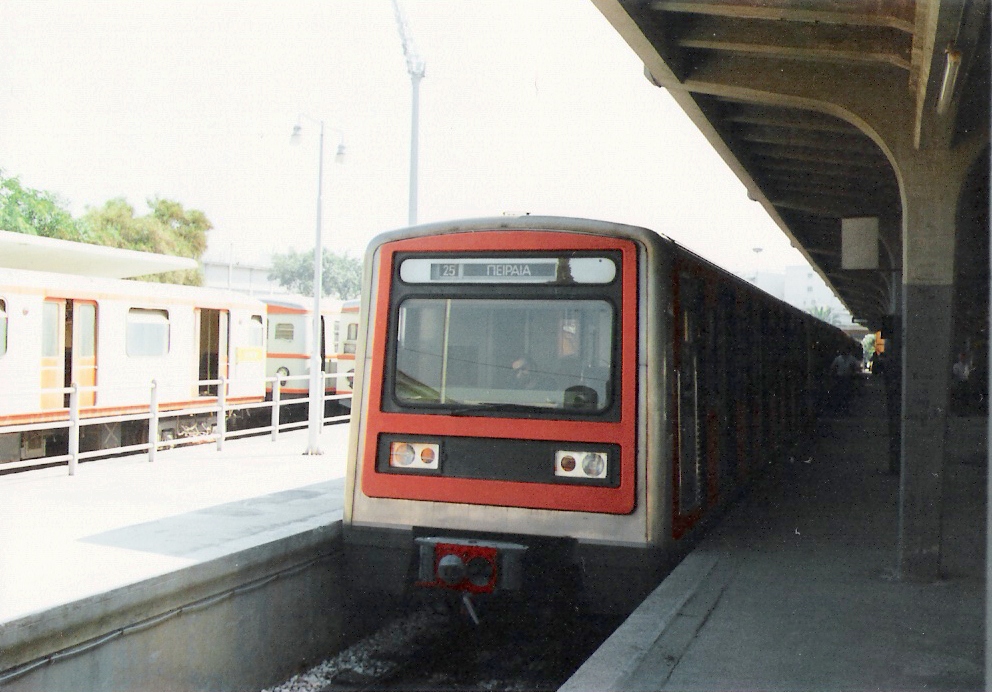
(416, 68)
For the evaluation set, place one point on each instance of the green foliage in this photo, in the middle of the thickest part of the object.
(868, 343)
(341, 275)
(35, 212)
(168, 229)
(825, 313)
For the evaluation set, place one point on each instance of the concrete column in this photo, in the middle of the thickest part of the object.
(931, 187)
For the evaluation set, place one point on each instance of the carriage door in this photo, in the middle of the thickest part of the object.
(212, 326)
(68, 351)
(687, 351)
(54, 371)
(81, 325)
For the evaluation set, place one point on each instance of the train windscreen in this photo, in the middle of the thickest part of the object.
(491, 353)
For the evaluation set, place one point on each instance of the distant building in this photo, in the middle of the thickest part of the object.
(252, 279)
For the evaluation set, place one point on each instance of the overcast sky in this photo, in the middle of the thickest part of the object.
(528, 106)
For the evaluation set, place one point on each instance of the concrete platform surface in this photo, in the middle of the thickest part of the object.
(797, 587)
(119, 521)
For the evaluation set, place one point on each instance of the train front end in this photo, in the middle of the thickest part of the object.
(495, 436)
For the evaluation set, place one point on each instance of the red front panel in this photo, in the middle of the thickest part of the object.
(618, 500)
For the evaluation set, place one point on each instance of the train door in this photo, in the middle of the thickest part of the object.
(328, 366)
(3, 327)
(757, 391)
(709, 386)
(212, 340)
(68, 351)
(83, 348)
(53, 360)
(323, 343)
(687, 353)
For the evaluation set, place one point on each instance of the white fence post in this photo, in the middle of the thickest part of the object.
(323, 400)
(221, 414)
(73, 428)
(153, 422)
(275, 410)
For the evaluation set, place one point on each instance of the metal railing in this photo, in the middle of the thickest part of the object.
(218, 413)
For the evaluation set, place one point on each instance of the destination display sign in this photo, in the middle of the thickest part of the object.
(472, 270)
(501, 270)
(507, 270)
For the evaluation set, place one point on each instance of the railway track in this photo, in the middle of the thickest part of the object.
(441, 649)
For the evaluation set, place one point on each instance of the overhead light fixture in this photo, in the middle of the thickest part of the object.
(951, 68)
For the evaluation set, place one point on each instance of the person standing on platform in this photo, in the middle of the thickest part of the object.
(840, 382)
(960, 372)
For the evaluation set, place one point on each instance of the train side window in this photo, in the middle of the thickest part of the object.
(256, 332)
(352, 332)
(147, 332)
(86, 318)
(284, 331)
(50, 325)
(3, 327)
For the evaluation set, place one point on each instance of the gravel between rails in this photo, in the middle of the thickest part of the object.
(372, 657)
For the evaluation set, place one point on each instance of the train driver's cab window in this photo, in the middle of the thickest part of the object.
(147, 332)
(3, 327)
(486, 353)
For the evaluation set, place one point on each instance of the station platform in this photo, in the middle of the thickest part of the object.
(796, 589)
(72, 542)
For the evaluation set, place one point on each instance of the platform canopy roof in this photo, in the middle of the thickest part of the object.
(776, 86)
(23, 251)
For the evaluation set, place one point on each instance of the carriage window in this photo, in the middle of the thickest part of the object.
(147, 332)
(473, 352)
(284, 331)
(352, 331)
(50, 326)
(256, 332)
(85, 345)
(3, 327)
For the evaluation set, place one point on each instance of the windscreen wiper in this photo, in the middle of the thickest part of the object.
(492, 406)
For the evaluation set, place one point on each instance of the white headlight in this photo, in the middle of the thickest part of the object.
(594, 465)
(401, 454)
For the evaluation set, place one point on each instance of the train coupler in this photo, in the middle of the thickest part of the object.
(469, 565)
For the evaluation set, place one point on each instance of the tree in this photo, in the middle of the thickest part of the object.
(825, 313)
(35, 212)
(868, 343)
(168, 229)
(341, 275)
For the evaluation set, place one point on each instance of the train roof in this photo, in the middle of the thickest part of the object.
(574, 225)
(31, 252)
(63, 285)
(299, 303)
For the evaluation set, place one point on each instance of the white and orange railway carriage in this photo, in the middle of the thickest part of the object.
(112, 338)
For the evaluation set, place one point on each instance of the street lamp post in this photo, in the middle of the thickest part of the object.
(316, 409)
(414, 144)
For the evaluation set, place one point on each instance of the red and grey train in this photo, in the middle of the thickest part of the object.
(555, 404)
